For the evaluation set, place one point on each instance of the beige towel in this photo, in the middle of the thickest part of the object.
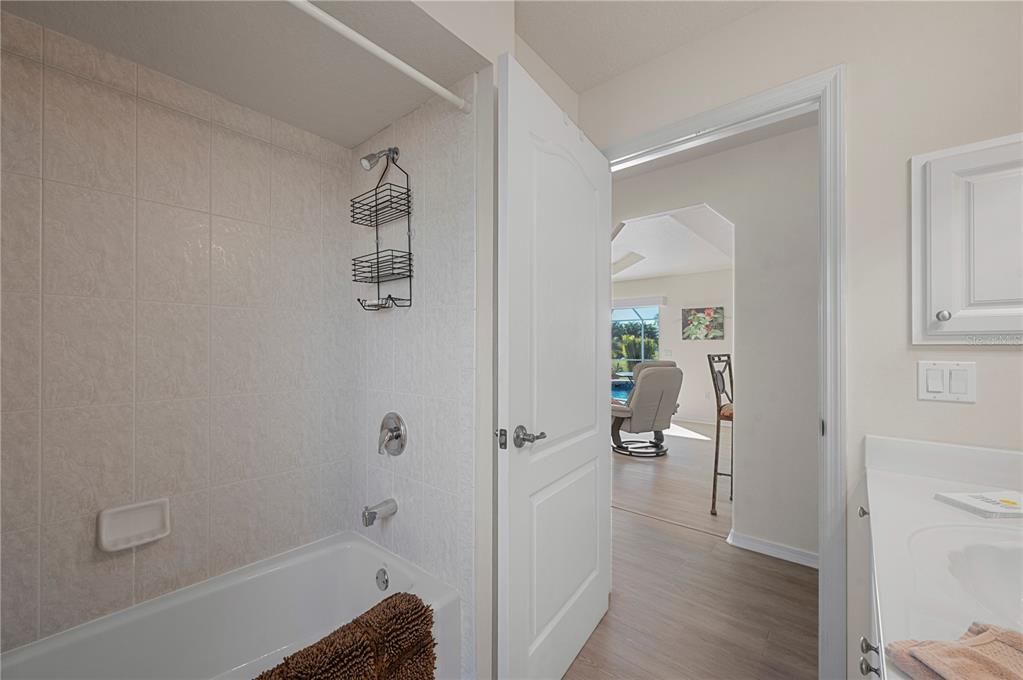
(984, 652)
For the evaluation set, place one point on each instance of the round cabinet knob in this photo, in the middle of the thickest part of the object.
(866, 647)
(943, 315)
(867, 669)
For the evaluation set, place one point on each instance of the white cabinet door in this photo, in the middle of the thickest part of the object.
(554, 284)
(968, 244)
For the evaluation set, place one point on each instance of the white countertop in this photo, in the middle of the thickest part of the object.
(939, 568)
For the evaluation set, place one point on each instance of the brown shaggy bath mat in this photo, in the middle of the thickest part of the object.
(391, 641)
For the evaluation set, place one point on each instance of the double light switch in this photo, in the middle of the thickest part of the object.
(947, 381)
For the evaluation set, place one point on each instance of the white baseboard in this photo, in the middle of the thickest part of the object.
(782, 552)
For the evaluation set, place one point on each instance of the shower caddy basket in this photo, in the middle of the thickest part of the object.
(384, 203)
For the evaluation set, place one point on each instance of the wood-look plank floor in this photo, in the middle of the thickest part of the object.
(685, 605)
(676, 487)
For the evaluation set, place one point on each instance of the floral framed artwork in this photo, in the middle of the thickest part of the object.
(703, 323)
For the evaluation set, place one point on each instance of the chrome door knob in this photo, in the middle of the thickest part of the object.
(862, 512)
(943, 315)
(521, 437)
(866, 647)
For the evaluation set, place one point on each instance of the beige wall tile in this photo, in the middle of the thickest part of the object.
(86, 461)
(333, 153)
(296, 358)
(19, 604)
(20, 329)
(82, 59)
(174, 93)
(172, 447)
(337, 192)
(173, 254)
(258, 435)
(19, 243)
(241, 263)
(314, 350)
(87, 351)
(342, 426)
(79, 581)
(19, 461)
(239, 533)
(90, 242)
(22, 113)
(241, 177)
(255, 519)
(240, 440)
(173, 351)
(325, 492)
(295, 194)
(284, 361)
(296, 139)
(337, 276)
(22, 36)
(173, 157)
(180, 559)
(240, 118)
(88, 134)
(242, 348)
(296, 267)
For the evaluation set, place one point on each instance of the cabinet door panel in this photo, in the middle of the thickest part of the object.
(968, 244)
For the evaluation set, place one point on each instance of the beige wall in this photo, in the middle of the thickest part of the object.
(768, 190)
(920, 77)
(705, 289)
(489, 28)
(556, 88)
(179, 320)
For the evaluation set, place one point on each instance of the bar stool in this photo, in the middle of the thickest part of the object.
(720, 371)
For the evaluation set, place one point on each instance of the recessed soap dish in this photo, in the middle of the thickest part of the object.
(128, 526)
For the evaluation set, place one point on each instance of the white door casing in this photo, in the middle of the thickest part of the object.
(967, 215)
(554, 282)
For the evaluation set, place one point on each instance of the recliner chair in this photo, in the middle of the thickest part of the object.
(651, 404)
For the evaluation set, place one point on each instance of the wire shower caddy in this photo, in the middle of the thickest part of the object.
(384, 203)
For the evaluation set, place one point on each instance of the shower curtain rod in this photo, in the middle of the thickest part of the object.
(343, 29)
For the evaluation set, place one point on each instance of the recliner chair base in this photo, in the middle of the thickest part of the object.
(637, 448)
(641, 449)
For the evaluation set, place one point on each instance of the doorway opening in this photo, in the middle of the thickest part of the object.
(779, 329)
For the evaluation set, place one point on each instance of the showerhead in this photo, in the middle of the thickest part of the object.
(369, 161)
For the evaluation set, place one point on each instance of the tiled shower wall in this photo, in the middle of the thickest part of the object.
(420, 361)
(176, 321)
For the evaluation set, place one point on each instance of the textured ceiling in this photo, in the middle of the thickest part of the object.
(272, 57)
(588, 42)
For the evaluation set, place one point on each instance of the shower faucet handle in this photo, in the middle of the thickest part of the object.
(393, 435)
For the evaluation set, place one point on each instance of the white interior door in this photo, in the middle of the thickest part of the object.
(554, 282)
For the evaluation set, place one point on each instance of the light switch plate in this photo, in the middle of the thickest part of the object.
(947, 381)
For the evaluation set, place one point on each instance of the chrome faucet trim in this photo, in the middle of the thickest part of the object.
(383, 509)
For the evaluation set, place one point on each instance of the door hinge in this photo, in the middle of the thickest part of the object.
(502, 438)
(822, 427)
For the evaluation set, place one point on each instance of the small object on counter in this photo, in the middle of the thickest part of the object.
(990, 504)
(984, 651)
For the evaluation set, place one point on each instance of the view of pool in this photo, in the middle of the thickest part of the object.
(620, 389)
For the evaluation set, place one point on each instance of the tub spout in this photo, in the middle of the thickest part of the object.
(371, 514)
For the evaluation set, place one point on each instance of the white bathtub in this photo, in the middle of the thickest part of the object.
(239, 624)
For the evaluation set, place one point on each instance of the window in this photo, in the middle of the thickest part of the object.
(635, 337)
